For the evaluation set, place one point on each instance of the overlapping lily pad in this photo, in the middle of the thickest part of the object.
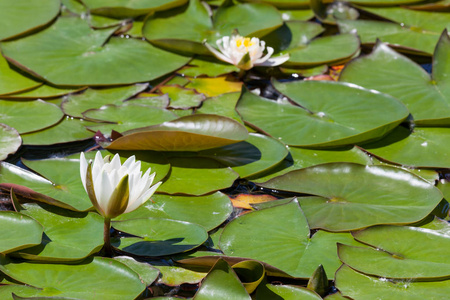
(44, 91)
(19, 231)
(18, 113)
(324, 114)
(95, 277)
(10, 140)
(283, 3)
(410, 252)
(350, 193)
(223, 105)
(87, 57)
(25, 15)
(185, 29)
(427, 97)
(158, 236)
(287, 292)
(216, 206)
(12, 81)
(68, 236)
(189, 133)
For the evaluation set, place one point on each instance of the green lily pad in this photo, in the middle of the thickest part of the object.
(283, 225)
(189, 133)
(206, 65)
(19, 231)
(13, 82)
(66, 131)
(147, 273)
(18, 113)
(443, 5)
(7, 291)
(347, 190)
(181, 97)
(251, 273)
(283, 3)
(221, 283)
(124, 8)
(74, 105)
(44, 91)
(286, 292)
(253, 156)
(184, 29)
(427, 97)
(93, 278)
(160, 101)
(324, 115)
(85, 59)
(423, 147)
(414, 31)
(300, 158)
(24, 16)
(383, 2)
(10, 140)
(174, 276)
(223, 105)
(126, 117)
(158, 236)
(197, 176)
(216, 206)
(359, 286)
(68, 236)
(410, 252)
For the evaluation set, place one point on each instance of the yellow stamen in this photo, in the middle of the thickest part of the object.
(245, 41)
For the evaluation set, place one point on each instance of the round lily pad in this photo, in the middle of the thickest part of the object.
(93, 278)
(19, 231)
(10, 140)
(158, 236)
(22, 16)
(18, 114)
(87, 57)
(347, 190)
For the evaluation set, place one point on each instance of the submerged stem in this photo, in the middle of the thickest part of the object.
(106, 238)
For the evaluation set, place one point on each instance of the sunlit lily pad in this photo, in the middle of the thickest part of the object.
(443, 5)
(325, 114)
(74, 105)
(18, 231)
(124, 8)
(84, 58)
(216, 206)
(283, 3)
(423, 147)
(44, 91)
(283, 225)
(173, 275)
(286, 292)
(95, 277)
(146, 272)
(66, 131)
(206, 65)
(347, 190)
(25, 15)
(216, 86)
(383, 2)
(126, 117)
(359, 286)
(296, 14)
(410, 252)
(158, 236)
(197, 176)
(12, 81)
(182, 98)
(223, 105)
(68, 236)
(18, 114)
(10, 140)
(427, 97)
(190, 133)
(184, 29)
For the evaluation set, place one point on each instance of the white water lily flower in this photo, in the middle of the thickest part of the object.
(114, 188)
(245, 52)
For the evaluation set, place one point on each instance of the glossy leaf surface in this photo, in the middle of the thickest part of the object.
(19, 231)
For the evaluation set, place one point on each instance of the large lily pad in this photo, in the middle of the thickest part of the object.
(284, 225)
(95, 277)
(324, 115)
(10, 140)
(22, 16)
(189, 133)
(286, 292)
(423, 147)
(216, 206)
(223, 105)
(158, 236)
(44, 91)
(74, 105)
(125, 8)
(18, 231)
(427, 97)
(87, 57)
(68, 236)
(410, 252)
(185, 29)
(18, 114)
(12, 81)
(350, 193)
(359, 286)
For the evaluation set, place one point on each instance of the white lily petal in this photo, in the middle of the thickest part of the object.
(115, 162)
(275, 61)
(97, 165)
(129, 162)
(143, 198)
(218, 54)
(266, 57)
(103, 190)
(83, 169)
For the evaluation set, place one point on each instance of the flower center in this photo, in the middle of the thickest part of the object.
(244, 41)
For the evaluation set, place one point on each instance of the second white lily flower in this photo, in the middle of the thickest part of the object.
(245, 53)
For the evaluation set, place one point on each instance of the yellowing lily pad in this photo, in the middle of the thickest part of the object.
(213, 87)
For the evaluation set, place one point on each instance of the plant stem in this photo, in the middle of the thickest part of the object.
(106, 238)
(242, 74)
